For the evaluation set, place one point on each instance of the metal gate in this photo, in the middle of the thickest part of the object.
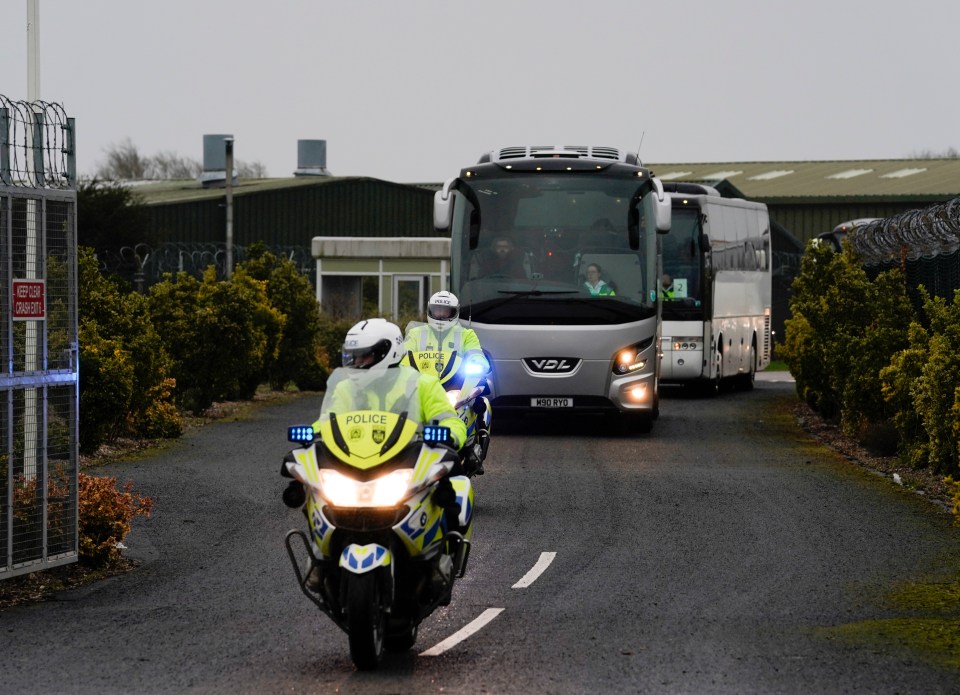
(39, 382)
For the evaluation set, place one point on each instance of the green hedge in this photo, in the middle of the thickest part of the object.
(862, 357)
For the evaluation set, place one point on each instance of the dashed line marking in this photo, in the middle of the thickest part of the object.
(530, 577)
(464, 632)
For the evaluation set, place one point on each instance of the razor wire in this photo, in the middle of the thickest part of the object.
(144, 265)
(923, 243)
(915, 234)
(37, 145)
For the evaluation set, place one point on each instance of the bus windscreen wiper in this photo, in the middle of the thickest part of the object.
(516, 294)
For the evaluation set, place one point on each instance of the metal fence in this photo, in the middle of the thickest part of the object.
(39, 382)
(144, 265)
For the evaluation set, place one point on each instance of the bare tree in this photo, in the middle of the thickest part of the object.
(252, 170)
(950, 153)
(125, 163)
(169, 165)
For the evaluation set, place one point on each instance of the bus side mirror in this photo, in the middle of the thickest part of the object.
(704, 242)
(443, 208)
(662, 208)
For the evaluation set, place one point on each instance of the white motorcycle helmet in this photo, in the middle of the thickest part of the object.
(373, 344)
(443, 310)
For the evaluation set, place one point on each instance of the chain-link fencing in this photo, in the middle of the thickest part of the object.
(39, 384)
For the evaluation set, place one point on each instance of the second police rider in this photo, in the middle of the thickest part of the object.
(443, 347)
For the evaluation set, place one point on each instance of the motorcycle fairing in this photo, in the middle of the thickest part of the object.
(464, 491)
(423, 527)
(360, 559)
(367, 438)
(321, 531)
(430, 465)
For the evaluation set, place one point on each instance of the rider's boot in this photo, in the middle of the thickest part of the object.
(314, 579)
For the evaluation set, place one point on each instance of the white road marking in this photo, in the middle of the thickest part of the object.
(464, 632)
(530, 577)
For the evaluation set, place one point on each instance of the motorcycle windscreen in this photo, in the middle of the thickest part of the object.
(367, 418)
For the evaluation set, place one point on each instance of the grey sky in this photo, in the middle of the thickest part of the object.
(412, 91)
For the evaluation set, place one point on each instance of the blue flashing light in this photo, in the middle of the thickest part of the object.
(474, 369)
(436, 434)
(475, 366)
(300, 434)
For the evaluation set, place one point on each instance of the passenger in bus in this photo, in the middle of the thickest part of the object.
(502, 260)
(594, 285)
(667, 290)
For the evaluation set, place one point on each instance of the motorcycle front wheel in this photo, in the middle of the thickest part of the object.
(402, 640)
(365, 620)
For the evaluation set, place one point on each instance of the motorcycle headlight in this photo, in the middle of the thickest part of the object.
(388, 490)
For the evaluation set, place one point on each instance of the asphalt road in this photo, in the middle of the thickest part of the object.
(705, 557)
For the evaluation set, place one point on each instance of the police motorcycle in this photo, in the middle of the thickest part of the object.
(465, 381)
(389, 526)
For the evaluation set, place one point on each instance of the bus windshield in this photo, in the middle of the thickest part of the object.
(682, 288)
(553, 249)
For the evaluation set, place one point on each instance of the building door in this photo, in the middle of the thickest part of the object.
(409, 296)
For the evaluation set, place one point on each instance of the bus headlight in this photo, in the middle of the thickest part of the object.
(637, 393)
(630, 359)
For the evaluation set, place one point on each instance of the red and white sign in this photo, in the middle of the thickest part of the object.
(29, 300)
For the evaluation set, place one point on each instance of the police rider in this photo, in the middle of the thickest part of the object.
(442, 347)
(376, 345)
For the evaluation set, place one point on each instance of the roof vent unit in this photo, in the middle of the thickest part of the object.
(560, 151)
(215, 161)
(311, 158)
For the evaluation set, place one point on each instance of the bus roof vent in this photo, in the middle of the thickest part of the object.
(571, 151)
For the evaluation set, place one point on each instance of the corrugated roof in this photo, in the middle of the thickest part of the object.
(932, 179)
(190, 190)
(921, 179)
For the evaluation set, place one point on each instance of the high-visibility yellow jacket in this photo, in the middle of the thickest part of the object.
(442, 354)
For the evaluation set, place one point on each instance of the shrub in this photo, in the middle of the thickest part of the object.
(106, 388)
(124, 368)
(928, 386)
(222, 335)
(898, 379)
(105, 515)
(160, 419)
(299, 352)
(843, 330)
(332, 332)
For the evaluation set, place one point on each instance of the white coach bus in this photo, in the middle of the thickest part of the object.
(716, 290)
(555, 260)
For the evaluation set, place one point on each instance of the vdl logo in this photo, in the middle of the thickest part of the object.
(551, 365)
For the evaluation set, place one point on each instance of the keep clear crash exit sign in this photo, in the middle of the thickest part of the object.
(29, 300)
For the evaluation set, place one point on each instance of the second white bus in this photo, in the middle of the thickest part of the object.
(716, 315)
